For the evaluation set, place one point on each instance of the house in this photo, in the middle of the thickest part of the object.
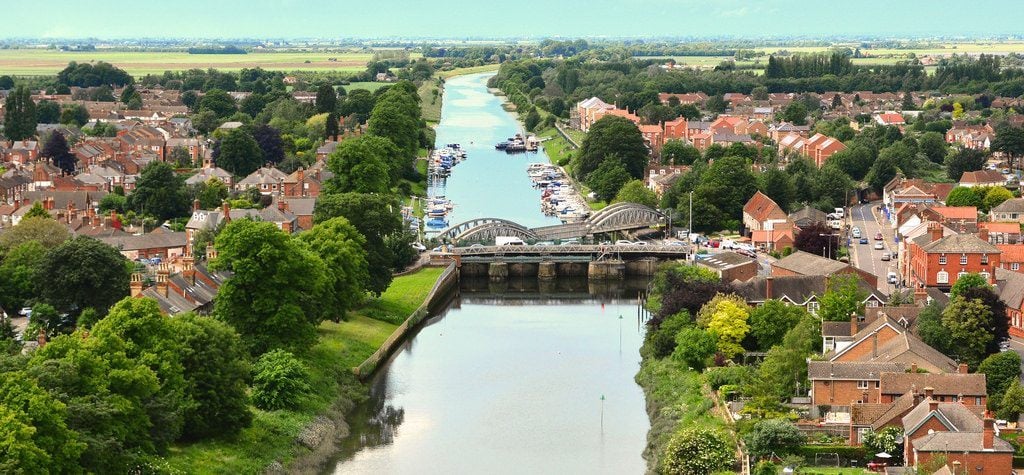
(659, 178)
(978, 137)
(866, 417)
(210, 219)
(846, 383)
(820, 147)
(268, 180)
(889, 118)
(1002, 233)
(590, 110)
(760, 211)
(805, 263)
(887, 341)
(302, 208)
(801, 290)
(778, 237)
(210, 172)
(983, 178)
(22, 152)
(301, 184)
(807, 217)
(654, 138)
(1010, 285)
(144, 138)
(836, 336)
(159, 243)
(730, 266)
(963, 387)
(323, 151)
(1009, 210)
(682, 99)
(961, 218)
(961, 435)
(937, 261)
(191, 290)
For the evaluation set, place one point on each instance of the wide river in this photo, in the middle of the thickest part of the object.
(514, 378)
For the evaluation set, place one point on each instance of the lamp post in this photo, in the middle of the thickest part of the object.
(829, 236)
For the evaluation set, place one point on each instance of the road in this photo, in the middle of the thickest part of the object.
(864, 256)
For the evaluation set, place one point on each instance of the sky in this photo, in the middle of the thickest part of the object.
(517, 18)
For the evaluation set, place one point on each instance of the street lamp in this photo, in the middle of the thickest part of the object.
(830, 236)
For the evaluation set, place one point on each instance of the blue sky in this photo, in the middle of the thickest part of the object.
(517, 18)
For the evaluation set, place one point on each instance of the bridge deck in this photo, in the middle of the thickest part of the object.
(567, 253)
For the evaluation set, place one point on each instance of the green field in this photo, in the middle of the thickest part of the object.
(369, 86)
(35, 62)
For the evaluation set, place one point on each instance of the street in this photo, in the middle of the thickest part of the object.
(864, 256)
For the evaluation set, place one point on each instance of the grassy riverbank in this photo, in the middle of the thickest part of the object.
(341, 347)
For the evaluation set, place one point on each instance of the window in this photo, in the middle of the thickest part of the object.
(984, 259)
(1015, 266)
(871, 304)
(942, 259)
(977, 400)
(986, 276)
(942, 277)
(877, 384)
(963, 259)
(961, 274)
(863, 384)
(812, 307)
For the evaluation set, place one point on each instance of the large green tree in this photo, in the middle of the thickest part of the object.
(770, 322)
(342, 249)
(1000, 370)
(637, 192)
(843, 298)
(43, 230)
(774, 437)
(18, 277)
(678, 152)
(365, 164)
(612, 136)
(219, 102)
(239, 152)
(967, 321)
(57, 150)
(396, 116)
(159, 192)
(326, 99)
(47, 417)
(273, 296)
(83, 273)
(376, 217)
(697, 451)
(19, 115)
(608, 178)
(963, 160)
(779, 187)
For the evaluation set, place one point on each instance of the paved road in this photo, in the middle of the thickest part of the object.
(1018, 346)
(865, 256)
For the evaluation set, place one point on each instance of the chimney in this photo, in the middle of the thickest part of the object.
(281, 205)
(188, 269)
(41, 338)
(48, 204)
(956, 467)
(913, 367)
(136, 284)
(983, 234)
(768, 287)
(934, 231)
(301, 175)
(161, 279)
(97, 220)
(962, 369)
(989, 434)
(195, 205)
(874, 345)
(225, 209)
(853, 323)
(920, 296)
(211, 253)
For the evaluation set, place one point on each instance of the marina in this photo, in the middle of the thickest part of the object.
(559, 197)
(519, 143)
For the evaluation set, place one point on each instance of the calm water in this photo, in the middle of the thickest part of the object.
(506, 378)
(490, 183)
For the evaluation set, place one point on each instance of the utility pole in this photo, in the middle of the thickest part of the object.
(689, 228)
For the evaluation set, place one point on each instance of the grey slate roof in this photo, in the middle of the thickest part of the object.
(954, 415)
(805, 263)
(960, 441)
(949, 384)
(796, 288)
(725, 260)
(1012, 205)
(851, 370)
(960, 243)
(146, 241)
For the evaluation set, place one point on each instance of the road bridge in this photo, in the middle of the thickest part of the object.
(598, 262)
(614, 218)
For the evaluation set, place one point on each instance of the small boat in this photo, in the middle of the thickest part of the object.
(437, 223)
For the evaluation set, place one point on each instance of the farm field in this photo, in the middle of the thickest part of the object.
(33, 62)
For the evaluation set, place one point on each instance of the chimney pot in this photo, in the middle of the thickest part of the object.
(195, 205)
(962, 369)
(913, 367)
(983, 234)
(768, 288)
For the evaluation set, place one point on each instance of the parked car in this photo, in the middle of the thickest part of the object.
(673, 243)
(879, 246)
(641, 243)
(418, 247)
(856, 232)
(745, 252)
(892, 278)
(25, 312)
(863, 240)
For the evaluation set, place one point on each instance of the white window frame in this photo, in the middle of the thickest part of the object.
(963, 259)
(813, 307)
(1015, 266)
(863, 384)
(984, 259)
(942, 277)
(942, 259)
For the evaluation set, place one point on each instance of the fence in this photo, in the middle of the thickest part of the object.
(445, 282)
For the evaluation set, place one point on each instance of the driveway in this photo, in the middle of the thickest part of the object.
(864, 256)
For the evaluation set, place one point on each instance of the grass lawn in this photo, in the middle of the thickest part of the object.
(341, 347)
(558, 149)
(470, 70)
(369, 86)
(35, 62)
(829, 471)
(430, 100)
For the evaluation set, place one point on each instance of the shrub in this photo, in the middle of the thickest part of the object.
(774, 436)
(697, 451)
(279, 380)
(726, 375)
(765, 467)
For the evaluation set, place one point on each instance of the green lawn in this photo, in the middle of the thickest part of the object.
(430, 100)
(369, 86)
(341, 347)
(558, 149)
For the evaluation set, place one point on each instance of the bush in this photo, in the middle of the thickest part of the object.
(279, 380)
(774, 436)
(765, 467)
(726, 375)
(697, 451)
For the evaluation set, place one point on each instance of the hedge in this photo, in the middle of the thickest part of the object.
(1018, 461)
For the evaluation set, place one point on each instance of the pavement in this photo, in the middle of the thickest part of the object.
(865, 256)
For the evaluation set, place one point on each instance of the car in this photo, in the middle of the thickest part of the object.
(418, 247)
(641, 243)
(25, 312)
(879, 246)
(745, 252)
(545, 243)
(673, 243)
(892, 278)
(476, 245)
(863, 240)
(886, 256)
(570, 242)
(155, 260)
(878, 236)
(623, 242)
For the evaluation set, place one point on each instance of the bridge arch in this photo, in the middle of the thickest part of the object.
(622, 216)
(467, 229)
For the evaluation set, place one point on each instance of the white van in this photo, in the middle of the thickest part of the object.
(892, 278)
(508, 241)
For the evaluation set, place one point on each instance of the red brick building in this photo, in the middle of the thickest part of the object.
(937, 261)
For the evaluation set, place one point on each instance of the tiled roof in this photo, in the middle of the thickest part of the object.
(961, 441)
(146, 241)
(762, 208)
(1004, 228)
(957, 212)
(805, 263)
(1010, 286)
(956, 416)
(944, 384)
(960, 243)
(1012, 205)
(982, 177)
(851, 370)
(725, 260)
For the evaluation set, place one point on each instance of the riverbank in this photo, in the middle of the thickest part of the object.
(301, 438)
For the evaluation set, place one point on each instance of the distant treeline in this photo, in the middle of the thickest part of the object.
(217, 50)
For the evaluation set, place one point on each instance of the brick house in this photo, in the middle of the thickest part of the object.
(760, 212)
(159, 243)
(143, 138)
(1002, 233)
(800, 290)
(1010, 285)
(1009, 210)
(963, 387)
(886, 341)
(730, 266)
(684, 99)
(847, 383)
(654, 137)
(268, 180)
(964, 435)
(805, 263)
(302, 184)
(937, 261)
(983, 178)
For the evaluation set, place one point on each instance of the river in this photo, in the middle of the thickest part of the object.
(515, 378)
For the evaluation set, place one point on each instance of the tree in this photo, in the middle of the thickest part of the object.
(774, 436)
(723, 190)
(963, 160)
(770, 322)
(210, 194)
(716, 104)
(968, 336)
(18, 452)
(270, 143)
(57, 150)
(1010, 141)
(694, 347)
(279, 381)
(678, 152)
(933, 145)
(216, 370)
(636, 192)
(997, 325)
(365, 164)
(881, 173)
(18, 269)
(683, 287)
(46, 416)
(20, 115)
(726, 316)
(205, 121)
(843, 298)
(396, 116)
(818, 239)
(82, 273)
(697, 451)
(375, 217)
(48, 112)
(995, 197)
(612, 136)
(44, 230)
(239, 153)
(1000, 369)
(326, 99)
(1012, 402)
(159, 192)
(272, 298)
(219, 102)
(660, 340)
(532, 120)
(342, 249)
(74, 114)
(964, 196)
(779, 187)
(796, 113)
(931, 329)
(888, 440)
(6, 82)
(180, 157)
(608, 178)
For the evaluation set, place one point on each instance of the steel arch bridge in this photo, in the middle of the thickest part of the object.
(617, 217)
